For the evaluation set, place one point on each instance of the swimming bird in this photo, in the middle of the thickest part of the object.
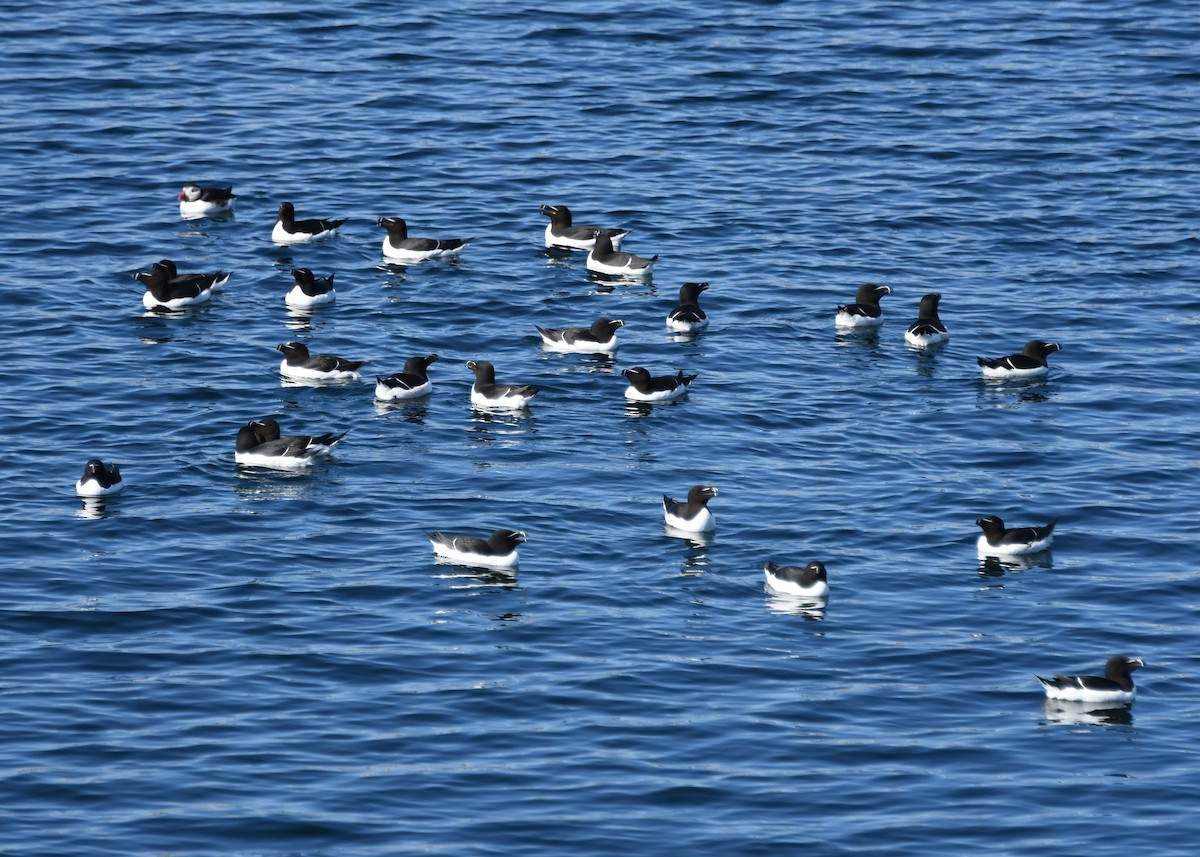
(99, 479)
(600, 338)
(499, 550)
(809, 582)
(289, 230)
(411, 383)
(1116, 686)
(643, 387)
(561, 233)
(928, 329)
(1030, 363)
(999, 540)
(865, 312)
(162, 294)
(259, 444)
(298, 363)
(693, 515)
(310, 290)
(215, 281)
(486, 393)
(196, 201)
(398, 246)
(603, 259)
(688, 317)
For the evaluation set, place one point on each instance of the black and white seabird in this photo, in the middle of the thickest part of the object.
(99, 479)
(499, 550)
(411, 383)
(289, 230)
(196, 201)
(691, 516)
(486, 393)
(259, 444)
(298, 363)
(310, 290)
(928, 329)
(865, 312)
(808, 582)
(161, 293)
(398, 247)
(1116, 686)
(999, 540)
(561, 233)
(644, 387)
(215, 281)
(603, 259)
(688, 317)
(600, 338)
(1030, 363)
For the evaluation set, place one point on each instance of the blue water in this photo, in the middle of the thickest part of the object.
(236, 661)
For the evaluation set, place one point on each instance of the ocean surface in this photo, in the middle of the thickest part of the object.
(230, 660)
